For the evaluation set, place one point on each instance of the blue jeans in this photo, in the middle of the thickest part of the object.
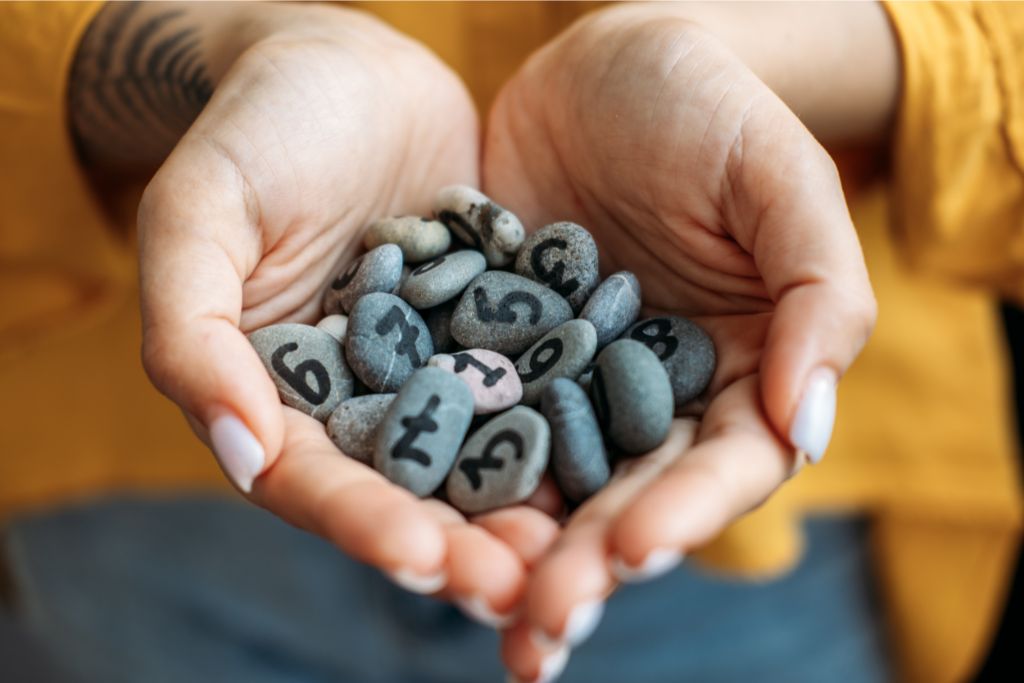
(203, 589)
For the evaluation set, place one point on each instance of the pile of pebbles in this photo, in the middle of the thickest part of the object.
(469, 368)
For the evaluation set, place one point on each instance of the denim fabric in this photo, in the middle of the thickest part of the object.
(204, 589)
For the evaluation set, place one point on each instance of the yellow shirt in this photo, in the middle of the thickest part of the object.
(923, 443)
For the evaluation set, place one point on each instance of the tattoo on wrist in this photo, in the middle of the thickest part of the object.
(138, 82)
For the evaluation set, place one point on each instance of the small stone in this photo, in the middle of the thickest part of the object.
(386, 341)
(353, 425)
(614, 306)
(420, 239)
(439, 322)
(563, 352)
(379, 270)
(685, 350)
(506, 313)
(632, 396)
(490, 376)
(442, 279)
(578, 457)
(421, 432)
(334, 325)
(306, 365)
(480, 223)
(562, 256)
(585, 377)
(501, 463)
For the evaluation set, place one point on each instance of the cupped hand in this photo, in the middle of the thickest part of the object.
(330, 121)
(693, 174)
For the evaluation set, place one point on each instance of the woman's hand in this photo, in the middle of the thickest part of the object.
(693, 174)
(321, 120)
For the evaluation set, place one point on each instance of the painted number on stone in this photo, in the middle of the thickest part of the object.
(346, 277)
(296, 377)
(406, 345)
(654, 333)
(537, 366)
(503, 313)
(461, 226)
(552, 277)
(471, 467)
(491, 375)
(414, 426)
(429, 266)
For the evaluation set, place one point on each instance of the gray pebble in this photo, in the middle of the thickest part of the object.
(420, 239)
(422, 430)
(442, 279)
(306, 365)
(614, 306)
(480, 223)
(578, 457)
(439, 322)
(406, 272)
(506, 313)
(563, 352)
(501, 463)
(353, 425)
(378, 270)
(685, 350)
(386, 341)
(561, 256)
(334, 325)
(632, 396)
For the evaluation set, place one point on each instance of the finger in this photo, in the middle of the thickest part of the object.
(529, 532)
(314, 486)
(568, 586)
(734, 466)
(529, 661)
(191, 297)
(791, 212)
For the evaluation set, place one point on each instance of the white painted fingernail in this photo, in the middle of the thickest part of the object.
(552, 666)
(657, 563)
(476, 608)
(237, 450)
(418, 583)
(812, 425)
(582, 622)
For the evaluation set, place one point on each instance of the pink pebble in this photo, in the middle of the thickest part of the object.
(490, 376)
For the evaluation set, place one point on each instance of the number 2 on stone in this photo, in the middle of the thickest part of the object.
(296, 378)
(406, 345)
(471, 466)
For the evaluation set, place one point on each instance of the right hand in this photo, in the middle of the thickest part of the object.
(328, 122)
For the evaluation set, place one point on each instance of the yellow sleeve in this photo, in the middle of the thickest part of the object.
(60, 263)
(958, 154)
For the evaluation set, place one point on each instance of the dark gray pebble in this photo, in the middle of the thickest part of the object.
(578, 457)
(562, 256)
(307, 367)
(378, 270)
(353, 425)
(421, 432)
(442, 279)
(614, 306)
(506, 313)
(439, 322)
(386, 341)
(632, 396)
(563, 352)
(685, 350)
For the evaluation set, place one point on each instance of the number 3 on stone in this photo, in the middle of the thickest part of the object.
(296, 378)
(471, 466)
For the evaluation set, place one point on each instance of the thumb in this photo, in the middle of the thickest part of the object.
(806, 249)
(197, 246)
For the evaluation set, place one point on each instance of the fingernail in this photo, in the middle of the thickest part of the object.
(237, 450)
(657, 563)
(551, 667)
(812, 425)
(476, 608)
(418, 583)
(582, 622)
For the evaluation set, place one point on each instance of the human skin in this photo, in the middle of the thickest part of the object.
(684, 138)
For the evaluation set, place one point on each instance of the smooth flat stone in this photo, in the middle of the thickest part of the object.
(632, 396)
(421, 432)
(442, 279)
(490, 376)
(563, 352)
(562, 256)
(386, 341)
(578, 458)
(501, 463)
(685, 350)
(480, 223)
(614, 306)
(439, 322)
(334, 325)
(378, 270)
(420, 239)
(506, 313)
(307, 367)
(353, 425)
